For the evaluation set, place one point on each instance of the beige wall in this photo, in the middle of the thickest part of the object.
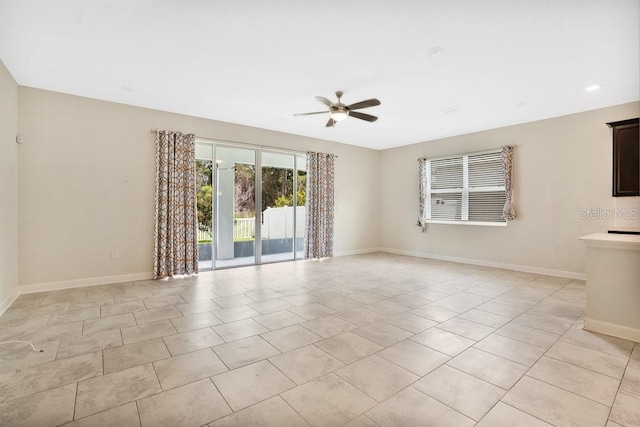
(8, 188)
(86, 180)
(562, 165)
(86, 188)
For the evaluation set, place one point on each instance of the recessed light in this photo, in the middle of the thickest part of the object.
(127, 88)
(518, 105)
(592, 88)
(434, 51)
(448, 110)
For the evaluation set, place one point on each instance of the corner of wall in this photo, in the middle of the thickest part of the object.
(7, 300)
(8, 189)
(379, 201)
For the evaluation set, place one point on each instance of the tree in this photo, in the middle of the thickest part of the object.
(277, 187)
(276, 183)
(204, 194)
(205, 207)
(244, 191)
(283, 200)
(203, 173)
(302, 188)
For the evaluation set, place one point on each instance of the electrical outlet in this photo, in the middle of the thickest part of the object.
(114, 254)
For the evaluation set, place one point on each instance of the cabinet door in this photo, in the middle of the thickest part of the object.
(626, 160)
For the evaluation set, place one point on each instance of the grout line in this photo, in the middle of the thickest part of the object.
(220, 358)
(522, 340)
(524, 412)
(75, 400)
(292, 408)
(431, 397)
(620, 383)
(295, 384)
(582, 367)
(369, 418)
(138, 412)
(407, 369)
(223, 398)
(565, 390)
(121, 338)
(153, 366)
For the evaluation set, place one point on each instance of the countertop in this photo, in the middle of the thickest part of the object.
(621, 241)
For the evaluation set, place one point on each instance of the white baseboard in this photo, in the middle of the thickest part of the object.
(612, 329)
(90, 281)
(484, 263)
(357, 252)
(78, 283)
(8, 300)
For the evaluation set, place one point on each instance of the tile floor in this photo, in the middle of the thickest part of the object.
(361, 341)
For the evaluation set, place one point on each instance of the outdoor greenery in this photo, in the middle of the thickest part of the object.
(277, 190)
(277, 187)
(204, 194)
(283, 200)
(244, 199)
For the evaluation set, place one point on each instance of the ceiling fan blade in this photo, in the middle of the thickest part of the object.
(324, 100)
(364, 104)
(331, 123)
(363, 116)
(308, 114)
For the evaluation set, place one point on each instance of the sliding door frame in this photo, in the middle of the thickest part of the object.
(257, 234)
(258, 151)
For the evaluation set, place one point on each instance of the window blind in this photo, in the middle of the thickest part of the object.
(466, 188)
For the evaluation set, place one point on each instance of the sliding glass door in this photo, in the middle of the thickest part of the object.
(283, 206)
(204, 198)
(301, 201)
(234, 207)
(247, 217)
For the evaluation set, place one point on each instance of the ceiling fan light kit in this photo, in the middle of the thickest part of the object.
(339, 112)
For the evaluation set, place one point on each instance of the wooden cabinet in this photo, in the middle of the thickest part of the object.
(626, 158)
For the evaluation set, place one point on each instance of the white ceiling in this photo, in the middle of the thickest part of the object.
(258, 62)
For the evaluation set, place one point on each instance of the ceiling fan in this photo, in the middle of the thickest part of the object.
(338, 111)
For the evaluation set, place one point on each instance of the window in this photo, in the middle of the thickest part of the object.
(465, 189)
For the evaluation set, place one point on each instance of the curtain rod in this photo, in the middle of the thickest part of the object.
(470, 153)
(229, 142)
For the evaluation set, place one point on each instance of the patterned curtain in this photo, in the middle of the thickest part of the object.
(422, 185)
(176, 219)
(318, 241)
(508, 211)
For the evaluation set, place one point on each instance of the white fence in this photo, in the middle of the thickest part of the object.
(244, 228)
(277, 223)
(203, 235)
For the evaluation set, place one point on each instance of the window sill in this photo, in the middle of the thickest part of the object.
(489, 224)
